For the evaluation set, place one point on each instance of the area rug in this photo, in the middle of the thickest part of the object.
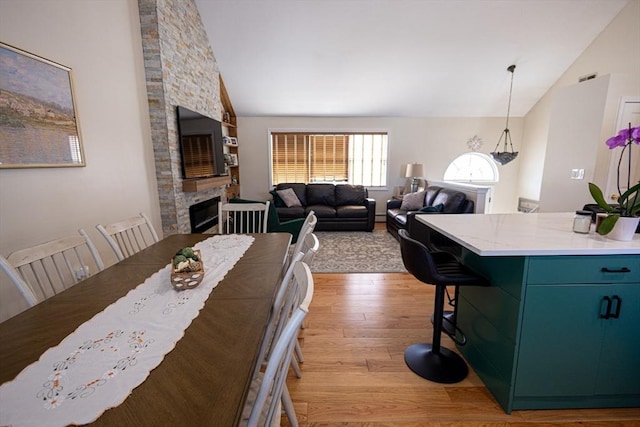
(357, 252)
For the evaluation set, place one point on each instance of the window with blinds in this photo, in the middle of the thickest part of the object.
(354, 158)
(197, 153)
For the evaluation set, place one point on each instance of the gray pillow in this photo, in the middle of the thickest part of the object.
(289, 197)
(413, 201)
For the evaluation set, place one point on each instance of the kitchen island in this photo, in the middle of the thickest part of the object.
(559, 327)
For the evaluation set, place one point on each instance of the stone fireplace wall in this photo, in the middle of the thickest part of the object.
(180, 70)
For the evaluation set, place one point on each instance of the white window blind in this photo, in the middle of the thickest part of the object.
(354, 158)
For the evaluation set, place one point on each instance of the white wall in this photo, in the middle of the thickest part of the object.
(574, 135)
(100, 41)
(432, 141)
(615, 52)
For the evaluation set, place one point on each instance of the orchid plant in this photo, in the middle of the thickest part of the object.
(629, 201)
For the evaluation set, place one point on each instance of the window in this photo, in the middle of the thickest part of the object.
(74, 148)
(472, 167)
(354, 158)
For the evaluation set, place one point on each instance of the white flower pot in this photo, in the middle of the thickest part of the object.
(624, 229)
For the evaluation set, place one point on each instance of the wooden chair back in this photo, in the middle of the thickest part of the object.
(129, 236)
(44, 270)
(236, 218)
(263, 404)
(17, 281)
(307, 228)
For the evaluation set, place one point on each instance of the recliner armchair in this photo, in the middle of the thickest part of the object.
(433, 199)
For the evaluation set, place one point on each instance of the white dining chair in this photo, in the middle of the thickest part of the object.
(309, 223)
(290, 295)
(129, 236)
(18, 283)
(282, 303)
(41, 271)
(235, 218)
(307, 228)
(309, 249)
(262, 407)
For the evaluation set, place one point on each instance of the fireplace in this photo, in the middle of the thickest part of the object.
(204, 215)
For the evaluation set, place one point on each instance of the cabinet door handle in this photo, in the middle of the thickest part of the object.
(607, 314)
(618, 301)
(616, 270)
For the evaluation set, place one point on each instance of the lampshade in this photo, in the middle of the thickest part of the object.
(414, 170)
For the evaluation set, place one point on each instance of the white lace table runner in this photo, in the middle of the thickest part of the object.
(98, 365)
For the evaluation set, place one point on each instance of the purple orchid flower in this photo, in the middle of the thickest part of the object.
(624, 137)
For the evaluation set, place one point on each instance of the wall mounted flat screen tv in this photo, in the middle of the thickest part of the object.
(201, 145)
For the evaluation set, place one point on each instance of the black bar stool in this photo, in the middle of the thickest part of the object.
(441, 269)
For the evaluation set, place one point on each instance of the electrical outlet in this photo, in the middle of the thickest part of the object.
(82, 273)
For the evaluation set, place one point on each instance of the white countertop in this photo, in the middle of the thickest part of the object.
(521, 234)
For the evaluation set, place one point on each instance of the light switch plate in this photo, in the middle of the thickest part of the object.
(577, 173)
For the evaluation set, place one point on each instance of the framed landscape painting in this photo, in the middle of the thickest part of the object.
(38, 119)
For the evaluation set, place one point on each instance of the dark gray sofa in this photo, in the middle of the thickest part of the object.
(436, 200)
(341, 207)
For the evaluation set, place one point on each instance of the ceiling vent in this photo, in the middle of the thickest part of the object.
(587, 77)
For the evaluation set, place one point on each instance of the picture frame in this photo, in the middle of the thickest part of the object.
(41, 127)
(230, 140)
(233, 159)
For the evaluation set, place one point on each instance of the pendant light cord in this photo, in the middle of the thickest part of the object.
(510, 69)
(506, 133)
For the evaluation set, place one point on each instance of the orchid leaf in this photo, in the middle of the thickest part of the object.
(596, 193)
(630, 201)
(607, 224)
(630, 191)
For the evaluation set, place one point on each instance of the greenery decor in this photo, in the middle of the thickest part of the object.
(629, 201)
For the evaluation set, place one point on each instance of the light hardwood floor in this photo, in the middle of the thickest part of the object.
(354, 372)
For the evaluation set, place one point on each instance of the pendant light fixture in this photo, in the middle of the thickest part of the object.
(505, 157)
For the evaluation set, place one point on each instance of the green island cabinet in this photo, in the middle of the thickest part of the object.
(559, 326)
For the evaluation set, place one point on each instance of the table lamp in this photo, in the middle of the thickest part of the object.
(414, 171)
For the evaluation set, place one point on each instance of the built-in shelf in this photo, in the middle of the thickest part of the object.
(195, 185)
(231, 146)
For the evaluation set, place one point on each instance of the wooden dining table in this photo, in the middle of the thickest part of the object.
(204, 380)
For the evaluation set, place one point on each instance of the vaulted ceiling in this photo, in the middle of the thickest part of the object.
(408, 58)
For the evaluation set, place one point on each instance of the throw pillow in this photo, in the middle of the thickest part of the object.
(321, 194)
(413, 201)
(277, 201)
(289, 197)
(436, 208)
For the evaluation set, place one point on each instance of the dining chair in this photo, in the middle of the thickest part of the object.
(17, 281)
(307, 228)
(274, 225)
(282, 303)
(290, 296)
(262, 407)
(235, 218)
(129, 236)
(310, 247)
(309, 223)
(41, 271)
